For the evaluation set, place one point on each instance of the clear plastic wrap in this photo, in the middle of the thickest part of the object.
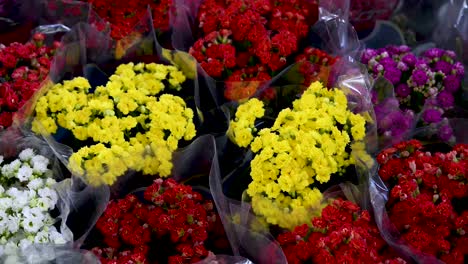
(416, 19)
(73, 201)
(337, 33)
(452, 27)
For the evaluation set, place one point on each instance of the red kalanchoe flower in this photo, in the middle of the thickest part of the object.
(171, 215)
(314, 65)
(23, 67)
(343, 234)
(263, 34)
(425, 191)
(124, 16)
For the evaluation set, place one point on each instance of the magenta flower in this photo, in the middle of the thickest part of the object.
(451, 83)
(443, 66)
(419, 77)
(402, 90)
(393, 75)
(445, 100)
(409, 59)
(434, 53)
(432, 116)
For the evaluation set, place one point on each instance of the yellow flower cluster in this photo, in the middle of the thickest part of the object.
(305, 145)
(240, 130)
(131, 124)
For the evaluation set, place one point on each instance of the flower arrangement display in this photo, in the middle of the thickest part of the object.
(171, 224)
(307, 144)
(250, 41)
(27, 196)
(123, 16)
(425, 85)
(131, 123)
(427, 191)
(23, 67)
(342, 234)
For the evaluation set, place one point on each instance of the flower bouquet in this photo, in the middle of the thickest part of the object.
(304, 147)
(344, 233)
(171, 223)
(23, 68)
(245, 44)
(39, 204)
(27, 198)
(426, 201)
(423, 85)
(131, 123)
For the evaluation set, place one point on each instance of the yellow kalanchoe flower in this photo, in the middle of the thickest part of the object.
(240, 130)
(133, 126)
(306, 144)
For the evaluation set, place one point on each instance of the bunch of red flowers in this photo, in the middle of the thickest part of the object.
(23, 67)
(314, 65)
(171, 225)
(250, 40)
(343, 234)
(125, 15)
(426, 202)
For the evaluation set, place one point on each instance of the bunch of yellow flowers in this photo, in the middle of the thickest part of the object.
(132, 125)
(306, 144)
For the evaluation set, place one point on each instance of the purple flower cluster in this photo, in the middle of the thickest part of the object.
(392, 122)
(424, 84)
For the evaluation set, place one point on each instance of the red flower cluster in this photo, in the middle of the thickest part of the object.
(172, 215)
(23, 67)
(425, 188)
(250, 40)
(343, 234)
(125, 15)
(314, 65)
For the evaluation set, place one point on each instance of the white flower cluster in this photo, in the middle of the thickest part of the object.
(26, 197)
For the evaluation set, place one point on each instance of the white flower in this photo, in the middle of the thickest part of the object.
(26, 154)
(31, 225)
(24, 173)
(13, 223)
(33, 219)
(50, 194)
(3, 222)
(36, 184)
(7, 171)
(34, 212)
(40, 163)
(20, 198)
(2, 190)
(1, 161)
(50, 182)
(15, 165)
(45, 203)
(5, 203)
(41, 237)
